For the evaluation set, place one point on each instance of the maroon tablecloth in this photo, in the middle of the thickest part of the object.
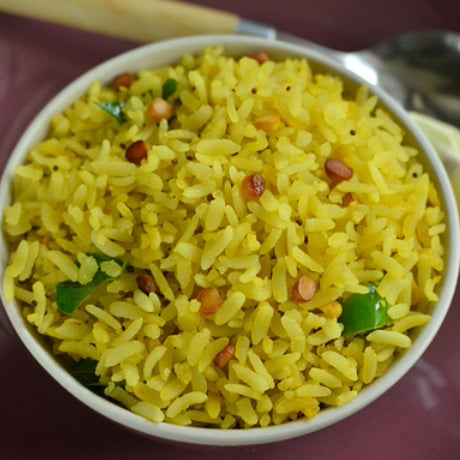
(418, 419)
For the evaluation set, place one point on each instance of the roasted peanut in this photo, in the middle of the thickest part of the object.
(225, 356)
(210, 300)
(147, 284)
(123, 80)
(267, 123)
(159, 109)
(349, 198)
(304, 290)
(253, 187)
(137, 152)
(260, 57)
(337, 171)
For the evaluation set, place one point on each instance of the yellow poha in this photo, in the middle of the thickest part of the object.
(178, 210)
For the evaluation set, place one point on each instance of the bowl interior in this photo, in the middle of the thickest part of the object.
(168, 53)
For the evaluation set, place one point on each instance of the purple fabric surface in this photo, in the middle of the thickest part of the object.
(419, 418)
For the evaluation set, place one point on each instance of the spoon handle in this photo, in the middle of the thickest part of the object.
(136, 20)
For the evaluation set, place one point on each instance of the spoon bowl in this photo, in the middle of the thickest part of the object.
(420, 69)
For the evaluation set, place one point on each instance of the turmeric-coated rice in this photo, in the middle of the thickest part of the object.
(228, 241)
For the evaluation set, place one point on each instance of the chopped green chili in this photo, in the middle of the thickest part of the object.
(169, 87)
(114, 109)
(71, 294)
(364, 312)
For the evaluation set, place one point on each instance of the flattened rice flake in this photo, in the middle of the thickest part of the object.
(181, 216)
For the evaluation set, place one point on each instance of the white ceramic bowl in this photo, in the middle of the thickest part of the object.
(167, 53)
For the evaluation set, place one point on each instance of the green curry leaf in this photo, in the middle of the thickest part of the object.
(85, 372)
(114, 109)
(71, 294)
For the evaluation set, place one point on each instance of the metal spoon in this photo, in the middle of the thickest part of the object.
(420, 69)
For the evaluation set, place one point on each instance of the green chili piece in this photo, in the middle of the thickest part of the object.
(169, 87)
(364, 312)
(114, 109)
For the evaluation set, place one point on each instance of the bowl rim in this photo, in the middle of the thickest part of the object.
(216, 436)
